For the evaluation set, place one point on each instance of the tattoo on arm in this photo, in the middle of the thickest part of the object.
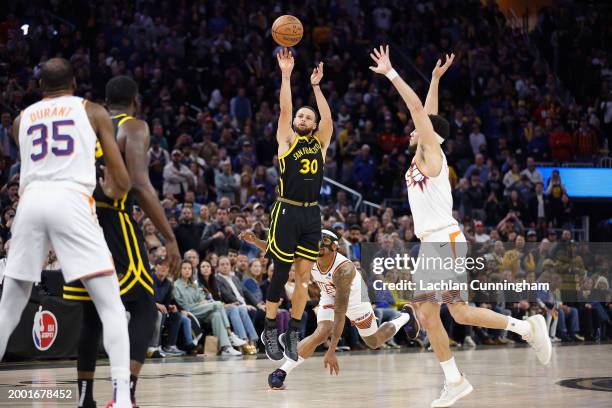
(342, 280)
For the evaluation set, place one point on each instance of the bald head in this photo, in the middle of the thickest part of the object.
(56, 75)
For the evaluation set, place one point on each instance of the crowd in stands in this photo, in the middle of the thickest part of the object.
(209, 85)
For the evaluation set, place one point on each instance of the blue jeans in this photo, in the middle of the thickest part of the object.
(241, 322)
(186, 329)
(573, 322)
(601, 312)
(176, 323)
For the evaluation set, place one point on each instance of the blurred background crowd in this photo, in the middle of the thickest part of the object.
(209, 84)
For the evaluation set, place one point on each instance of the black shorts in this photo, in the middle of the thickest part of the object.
(294, 232)
(126, 243)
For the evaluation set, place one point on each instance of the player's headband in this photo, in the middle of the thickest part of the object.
(330, 234)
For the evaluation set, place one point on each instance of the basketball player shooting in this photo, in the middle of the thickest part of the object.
(429, 195)
(343, 293)
(295, 224)
(57, 139)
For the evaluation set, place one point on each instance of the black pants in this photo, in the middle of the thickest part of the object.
(143, 317)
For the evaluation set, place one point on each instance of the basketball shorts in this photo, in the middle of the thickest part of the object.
(127, 246)
(59, 216)
(441, 276)
(294, 232)
(360, 314)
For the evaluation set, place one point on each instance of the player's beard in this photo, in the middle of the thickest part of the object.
(303, 132)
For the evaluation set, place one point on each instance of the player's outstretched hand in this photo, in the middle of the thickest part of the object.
(381, 58)
(331, 360)
(247, 236)
(285, 61)
(174, 257)
(317, 74)
(108, 185)
(440, 68)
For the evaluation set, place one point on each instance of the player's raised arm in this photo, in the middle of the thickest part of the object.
(422, 123)
(116, 180)
(343, 277)
(136, 147)
(431, 102)
(284, 132)
(326, 125)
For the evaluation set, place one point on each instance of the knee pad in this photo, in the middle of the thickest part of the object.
(277, 284)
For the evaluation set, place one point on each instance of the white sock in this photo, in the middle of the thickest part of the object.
(289, 365)
(121, 385)
(451, 372)
(521, 327)
(400, 321)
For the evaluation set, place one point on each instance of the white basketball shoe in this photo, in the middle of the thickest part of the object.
(453, 393)
(538, 339)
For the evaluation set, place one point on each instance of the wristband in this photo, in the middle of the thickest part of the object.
(314, 85)
(392, 74)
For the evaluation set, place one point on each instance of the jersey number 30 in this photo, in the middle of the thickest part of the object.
(63, 144)
(309, 166)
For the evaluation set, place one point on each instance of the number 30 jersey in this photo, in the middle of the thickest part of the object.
(301, 170)
(57, 143)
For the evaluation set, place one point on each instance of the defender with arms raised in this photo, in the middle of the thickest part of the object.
(429, 195)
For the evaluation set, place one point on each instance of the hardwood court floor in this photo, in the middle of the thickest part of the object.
(502, 377)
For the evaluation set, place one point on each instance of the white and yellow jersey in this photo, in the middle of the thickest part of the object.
(431, 200)
(57, 143)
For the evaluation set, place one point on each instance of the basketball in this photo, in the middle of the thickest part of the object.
(287, 31)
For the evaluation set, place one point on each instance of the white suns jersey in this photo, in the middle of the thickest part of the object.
(324, 279)
(57, 143)
(431, 199)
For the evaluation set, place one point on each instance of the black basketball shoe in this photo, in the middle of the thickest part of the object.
(269, 338)
(290, 343)
(413, 327)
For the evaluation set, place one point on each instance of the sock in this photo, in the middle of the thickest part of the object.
(270, 324)
(451, 372)
(289, 365)
(133, 381)
(400, 321)
(85, 391)
(121, 384)
(294, 324)
(521, 327)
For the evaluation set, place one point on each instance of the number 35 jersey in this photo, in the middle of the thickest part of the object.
(301, 170)
(57, 143)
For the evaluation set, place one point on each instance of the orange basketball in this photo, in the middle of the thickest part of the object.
(287, 31)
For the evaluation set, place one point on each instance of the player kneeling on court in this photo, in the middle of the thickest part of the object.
(343, 293)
